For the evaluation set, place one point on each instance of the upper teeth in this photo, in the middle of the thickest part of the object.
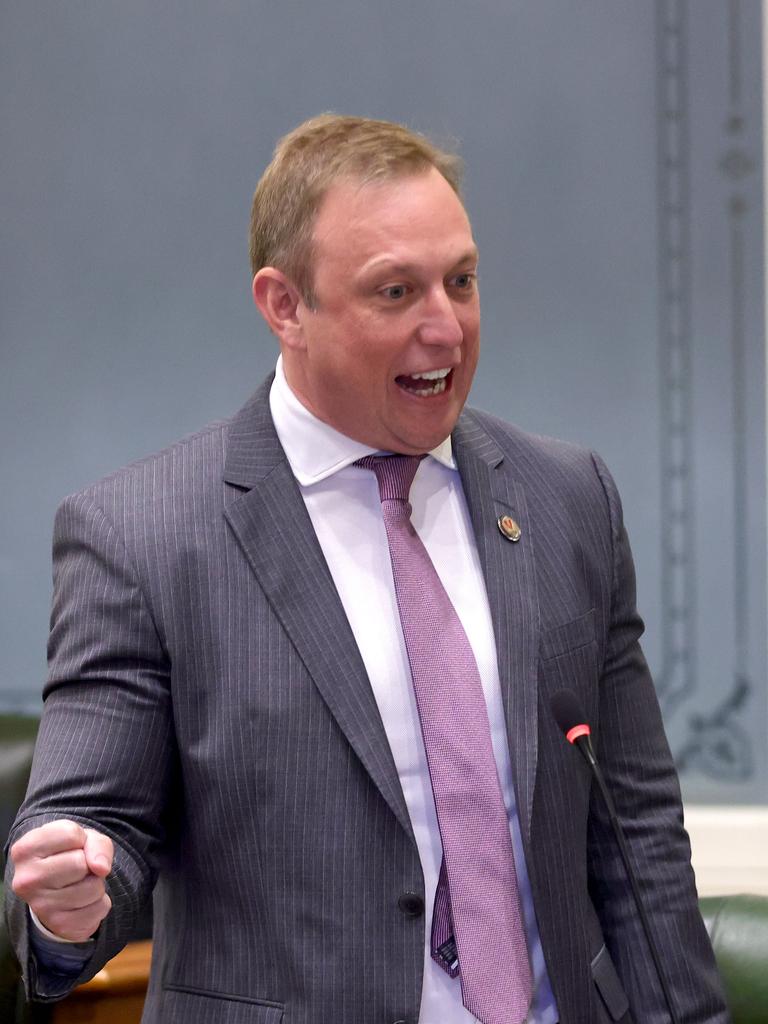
(431, 374)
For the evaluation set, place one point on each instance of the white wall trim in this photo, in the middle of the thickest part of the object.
(730, 844)
(730, 848)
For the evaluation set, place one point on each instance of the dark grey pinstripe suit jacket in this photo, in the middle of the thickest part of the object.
(207, 707)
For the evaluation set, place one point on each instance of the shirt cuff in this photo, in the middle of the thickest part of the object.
(59, 961)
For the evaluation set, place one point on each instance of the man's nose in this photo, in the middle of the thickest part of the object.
(440, 324)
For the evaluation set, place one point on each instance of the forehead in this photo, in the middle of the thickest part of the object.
(417, 212)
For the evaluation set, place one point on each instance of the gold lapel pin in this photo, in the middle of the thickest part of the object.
(508, 528)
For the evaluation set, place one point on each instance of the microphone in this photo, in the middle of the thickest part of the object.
(569, 715)
(572, 720)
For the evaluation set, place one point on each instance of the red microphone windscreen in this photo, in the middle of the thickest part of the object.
(569, 714)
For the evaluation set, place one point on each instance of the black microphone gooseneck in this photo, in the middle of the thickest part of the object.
(570, 716)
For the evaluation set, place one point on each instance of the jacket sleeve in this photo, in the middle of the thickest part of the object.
(637, 764)
(105, 754)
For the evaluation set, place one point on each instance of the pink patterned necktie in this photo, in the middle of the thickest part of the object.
(477, 908)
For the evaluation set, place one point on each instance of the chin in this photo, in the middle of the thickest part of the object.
(418, 445)
(416, 435)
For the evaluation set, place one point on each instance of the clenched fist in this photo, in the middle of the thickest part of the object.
(59, 870)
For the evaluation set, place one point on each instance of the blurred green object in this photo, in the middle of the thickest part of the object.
(738, 928)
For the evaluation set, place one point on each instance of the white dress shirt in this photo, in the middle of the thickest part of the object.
(343, 504)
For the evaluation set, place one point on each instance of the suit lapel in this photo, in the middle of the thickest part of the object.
(275, 532)
(272, 525)
(491, 491)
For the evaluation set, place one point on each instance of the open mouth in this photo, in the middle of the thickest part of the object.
(427, 384)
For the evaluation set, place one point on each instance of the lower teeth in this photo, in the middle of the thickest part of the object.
(437, 388)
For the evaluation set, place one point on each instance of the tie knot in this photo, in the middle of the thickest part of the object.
(394, 474)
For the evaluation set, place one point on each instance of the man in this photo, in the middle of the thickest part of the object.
(253, 696)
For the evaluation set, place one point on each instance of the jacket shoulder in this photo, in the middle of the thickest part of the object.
(189, 463)
(554, 472)
(526, 449)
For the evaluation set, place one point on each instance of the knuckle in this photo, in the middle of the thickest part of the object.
(98, 837)
(22, 884)
(69, 832)
(62, 834)
(23, 848)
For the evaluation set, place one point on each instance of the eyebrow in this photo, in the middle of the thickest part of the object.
(470, 256)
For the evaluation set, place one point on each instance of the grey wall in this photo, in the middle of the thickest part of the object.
(614, 179)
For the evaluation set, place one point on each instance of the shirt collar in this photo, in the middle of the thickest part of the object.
(314, 449)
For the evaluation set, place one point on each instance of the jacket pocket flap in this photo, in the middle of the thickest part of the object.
(569, 636)
(181, 1005)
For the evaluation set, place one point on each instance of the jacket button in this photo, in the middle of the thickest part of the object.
(412, 905)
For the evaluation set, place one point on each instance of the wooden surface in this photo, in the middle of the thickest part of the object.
(113, 996)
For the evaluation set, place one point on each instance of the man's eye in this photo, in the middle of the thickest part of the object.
(464, 281)
(395, 291)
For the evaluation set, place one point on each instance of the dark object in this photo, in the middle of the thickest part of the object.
(411, 904)
(570, 716)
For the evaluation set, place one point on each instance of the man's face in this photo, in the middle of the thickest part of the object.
(388, 353)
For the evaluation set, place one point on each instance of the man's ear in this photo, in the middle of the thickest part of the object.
(278, 299)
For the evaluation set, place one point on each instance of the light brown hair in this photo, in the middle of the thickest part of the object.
(311, 158)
